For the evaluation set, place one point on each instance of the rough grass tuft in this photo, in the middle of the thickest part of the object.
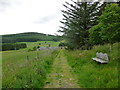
(91, 74)
(19, 73)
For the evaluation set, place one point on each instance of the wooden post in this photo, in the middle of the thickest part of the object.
(37, 56)
(27, 59)
(110, 47)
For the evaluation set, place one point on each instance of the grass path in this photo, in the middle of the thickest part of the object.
(61, 76)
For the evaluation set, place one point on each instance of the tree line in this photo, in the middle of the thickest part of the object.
(13, 46)
(29, 37)
(90, 23)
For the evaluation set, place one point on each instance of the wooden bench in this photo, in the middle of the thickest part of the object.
(101, 58)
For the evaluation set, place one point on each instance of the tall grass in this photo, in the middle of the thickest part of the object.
(21, 72)
(91, 74)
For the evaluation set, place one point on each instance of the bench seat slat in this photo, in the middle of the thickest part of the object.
(99, 60)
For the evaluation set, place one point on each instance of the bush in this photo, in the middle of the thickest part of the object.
(62, 44)
(38, 46)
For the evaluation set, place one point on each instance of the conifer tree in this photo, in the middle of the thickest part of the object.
(78, 18)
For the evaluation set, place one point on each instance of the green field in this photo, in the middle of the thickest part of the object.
(18, 71)
(23, 69)
(0, 70)
(91, 74)
(43, 44)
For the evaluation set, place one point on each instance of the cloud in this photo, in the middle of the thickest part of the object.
(30, 16)
(3, 5)
(45, 19)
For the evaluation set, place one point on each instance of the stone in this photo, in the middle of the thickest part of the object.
(106, 56)
(100, 57)
(97, 54)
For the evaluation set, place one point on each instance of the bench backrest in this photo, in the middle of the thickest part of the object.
(102, 56)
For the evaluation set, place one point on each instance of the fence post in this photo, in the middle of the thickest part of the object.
(27, 59)
(37, 55)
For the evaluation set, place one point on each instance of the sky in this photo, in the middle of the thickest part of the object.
(18, 16)
(43, 16)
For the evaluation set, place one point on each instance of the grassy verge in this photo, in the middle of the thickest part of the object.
(20, 72)
(91, 74)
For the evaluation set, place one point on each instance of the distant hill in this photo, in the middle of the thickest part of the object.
(29, 37)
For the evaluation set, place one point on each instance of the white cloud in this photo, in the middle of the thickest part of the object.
(17, 16)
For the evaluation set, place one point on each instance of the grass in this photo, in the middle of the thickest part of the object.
(91, 74)
(43, 44)
(18, 71)
(0, 70)
(60, 76)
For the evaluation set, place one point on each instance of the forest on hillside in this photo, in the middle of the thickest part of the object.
(29, 37)
(9, 42)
